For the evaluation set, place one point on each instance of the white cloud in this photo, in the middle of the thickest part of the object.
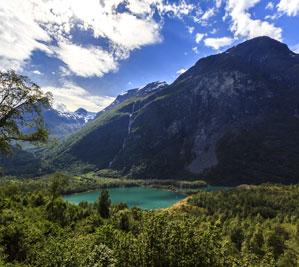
(217, 43)
(140, 7)
(181, 71)
(37, 72)
(19, 34)
(73, 97)
(179, 10)
(273, 17)
(208, 14)
(203, 17)
(270, 6)
(30, 25)
(195, 50)
(190, 29)
(289, 7)
(63, 72)
(242, 23)
(199, 37)
(86, 61)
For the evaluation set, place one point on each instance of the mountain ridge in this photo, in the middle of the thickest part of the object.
(61, 124)
(183, 130)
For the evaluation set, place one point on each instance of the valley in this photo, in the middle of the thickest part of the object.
(201, 172)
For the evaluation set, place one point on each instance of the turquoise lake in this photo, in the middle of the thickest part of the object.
(141, 197)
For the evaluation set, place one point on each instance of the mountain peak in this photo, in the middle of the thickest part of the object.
(151, 87)
(258, 46)
(81, 111)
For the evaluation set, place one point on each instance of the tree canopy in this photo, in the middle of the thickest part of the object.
(104, 203)
(21, 104)
(210, 229)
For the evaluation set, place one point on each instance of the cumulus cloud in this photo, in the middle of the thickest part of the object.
(85, 61)
(73, 97)
(37, 72)
(244, 25)
(198, 37)
(123, 26)
(19, 34)
(289, 7)
(217, 43)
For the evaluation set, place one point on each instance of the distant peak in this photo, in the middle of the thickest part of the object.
(81, 111)
(260, 45)
(153, 86)
(156, 83)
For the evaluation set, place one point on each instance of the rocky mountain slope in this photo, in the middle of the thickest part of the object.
(232, 118)
(136, 92)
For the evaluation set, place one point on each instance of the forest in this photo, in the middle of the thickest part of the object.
(245, 226)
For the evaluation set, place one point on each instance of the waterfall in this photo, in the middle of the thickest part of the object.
(131, 120)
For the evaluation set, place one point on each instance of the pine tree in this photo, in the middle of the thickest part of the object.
(103, 204)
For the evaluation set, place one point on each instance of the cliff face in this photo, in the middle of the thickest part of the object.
(232, 118)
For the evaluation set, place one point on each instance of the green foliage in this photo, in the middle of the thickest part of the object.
(37, 230)
(103, 204)
(267, 201)
(237, 237)
(21, 102)
(58, 182)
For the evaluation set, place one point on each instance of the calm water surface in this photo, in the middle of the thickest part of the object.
(142, 197)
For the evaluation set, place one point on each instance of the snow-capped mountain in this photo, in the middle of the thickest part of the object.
(136, 92)
(61, 123)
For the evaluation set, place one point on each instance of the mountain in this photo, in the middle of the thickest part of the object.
(232, 118)
(25, 160)
(61, 124)
(136, 92)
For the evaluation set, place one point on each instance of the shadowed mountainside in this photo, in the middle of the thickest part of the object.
(232, 118)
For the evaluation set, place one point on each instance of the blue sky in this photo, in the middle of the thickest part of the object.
(87, 52)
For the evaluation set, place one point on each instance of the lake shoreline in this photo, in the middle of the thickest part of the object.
(179, 186)
(140, 196)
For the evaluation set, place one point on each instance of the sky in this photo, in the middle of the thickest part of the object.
(86, 52)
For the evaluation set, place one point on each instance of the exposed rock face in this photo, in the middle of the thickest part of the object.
(232, 118)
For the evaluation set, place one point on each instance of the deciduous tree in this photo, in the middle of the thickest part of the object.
(21, 103)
